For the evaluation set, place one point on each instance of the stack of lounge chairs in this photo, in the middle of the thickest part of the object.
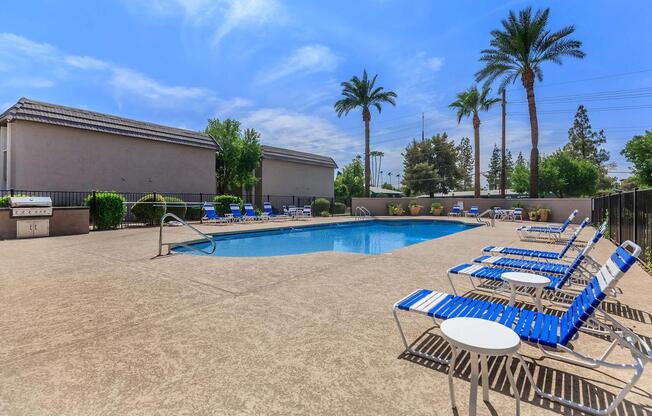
(577, 282)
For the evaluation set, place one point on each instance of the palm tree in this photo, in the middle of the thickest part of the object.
(362, 93)
(471, 102)
(518, 51)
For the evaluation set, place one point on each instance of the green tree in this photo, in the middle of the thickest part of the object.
(520, 177)
(509, 168)
(565, 176)
(350, 181)
(238, 154)
(583, 142)
(518, 51)
(470, 103)
(638, 151)
(465, 162)
(429, 165)
(387, 185)
(493, 173)
(362, 93)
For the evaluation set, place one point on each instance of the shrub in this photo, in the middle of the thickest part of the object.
(413, 204)
(176, 206)
(320, 205)
(4, 200)
(325, 214)
(149, 209)
(193, 213)
(222, 204)
(339, 208)
(109, 209)
(398, 210)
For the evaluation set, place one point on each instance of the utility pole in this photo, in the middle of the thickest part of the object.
(503, 164)
(423, 127)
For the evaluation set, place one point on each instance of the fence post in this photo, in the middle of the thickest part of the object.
(11, 192)
(635, 220)
(620, 218)
(293, 203)
(93, 209)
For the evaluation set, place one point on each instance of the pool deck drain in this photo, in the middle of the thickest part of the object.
(93, 325)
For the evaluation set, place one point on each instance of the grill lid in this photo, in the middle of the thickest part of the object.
(30, 201)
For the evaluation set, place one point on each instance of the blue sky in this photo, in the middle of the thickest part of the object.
(276, 66)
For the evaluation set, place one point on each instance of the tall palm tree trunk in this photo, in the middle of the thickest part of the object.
(476, 145)
(528, 83)
(366, 117)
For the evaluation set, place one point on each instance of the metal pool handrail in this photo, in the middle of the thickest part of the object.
(361, 212)
(188, 246)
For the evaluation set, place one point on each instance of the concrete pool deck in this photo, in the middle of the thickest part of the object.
(93, 324)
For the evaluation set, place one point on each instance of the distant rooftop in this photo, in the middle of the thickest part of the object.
(271, 152)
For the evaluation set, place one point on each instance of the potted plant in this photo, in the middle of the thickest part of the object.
(436, 208)
(415, 208)
(533, 214)
(544, 214)
(398, 210)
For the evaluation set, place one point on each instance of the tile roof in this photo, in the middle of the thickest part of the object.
(41, 112)
(277, 153)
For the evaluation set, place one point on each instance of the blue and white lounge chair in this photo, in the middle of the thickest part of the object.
(556, 333)
(268, 211)
(518, 213)
(539, 254)
(473, 212)
(551, 232)
(236, 213)
(210, 215)
(455, 211)
(541, 266)
(250, 213)
(559, 275)
(306, 212)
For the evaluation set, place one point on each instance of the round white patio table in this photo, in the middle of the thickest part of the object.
(520, 279)
(480, 338)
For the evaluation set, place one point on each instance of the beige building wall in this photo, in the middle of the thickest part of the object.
(285, 178)
(48, 157)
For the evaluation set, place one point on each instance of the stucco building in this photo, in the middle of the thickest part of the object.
(49, 147)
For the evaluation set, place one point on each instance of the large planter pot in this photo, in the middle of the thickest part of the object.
(436, 211)
(533, 216)
(415, 210)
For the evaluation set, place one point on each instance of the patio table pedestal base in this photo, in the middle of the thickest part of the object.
(481, 339)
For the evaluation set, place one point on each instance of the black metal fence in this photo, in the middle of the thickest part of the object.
(186, 205)
(629, 215)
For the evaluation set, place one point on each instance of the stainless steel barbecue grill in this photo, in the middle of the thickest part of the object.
(37, 212)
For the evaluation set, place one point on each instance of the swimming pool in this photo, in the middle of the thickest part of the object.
(365, 237)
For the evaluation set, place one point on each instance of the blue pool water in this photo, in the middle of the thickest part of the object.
(365, 237)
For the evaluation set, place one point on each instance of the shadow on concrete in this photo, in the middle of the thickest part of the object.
(580, 389)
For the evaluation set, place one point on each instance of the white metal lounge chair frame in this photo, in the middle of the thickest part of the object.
(621, 336)
(549, 232)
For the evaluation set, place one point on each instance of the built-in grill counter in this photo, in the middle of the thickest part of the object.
(32, 216)
(29, 217)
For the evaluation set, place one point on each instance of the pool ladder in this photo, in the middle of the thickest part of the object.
(361, 213)
(170, 245)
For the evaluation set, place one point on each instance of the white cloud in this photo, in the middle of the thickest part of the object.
(305, 60)
(226, 15)
(42, 65)
(293, 130)
(226, 108)
(434, 64)
(247, 13)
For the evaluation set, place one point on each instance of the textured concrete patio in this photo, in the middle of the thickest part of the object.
(94, 324)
